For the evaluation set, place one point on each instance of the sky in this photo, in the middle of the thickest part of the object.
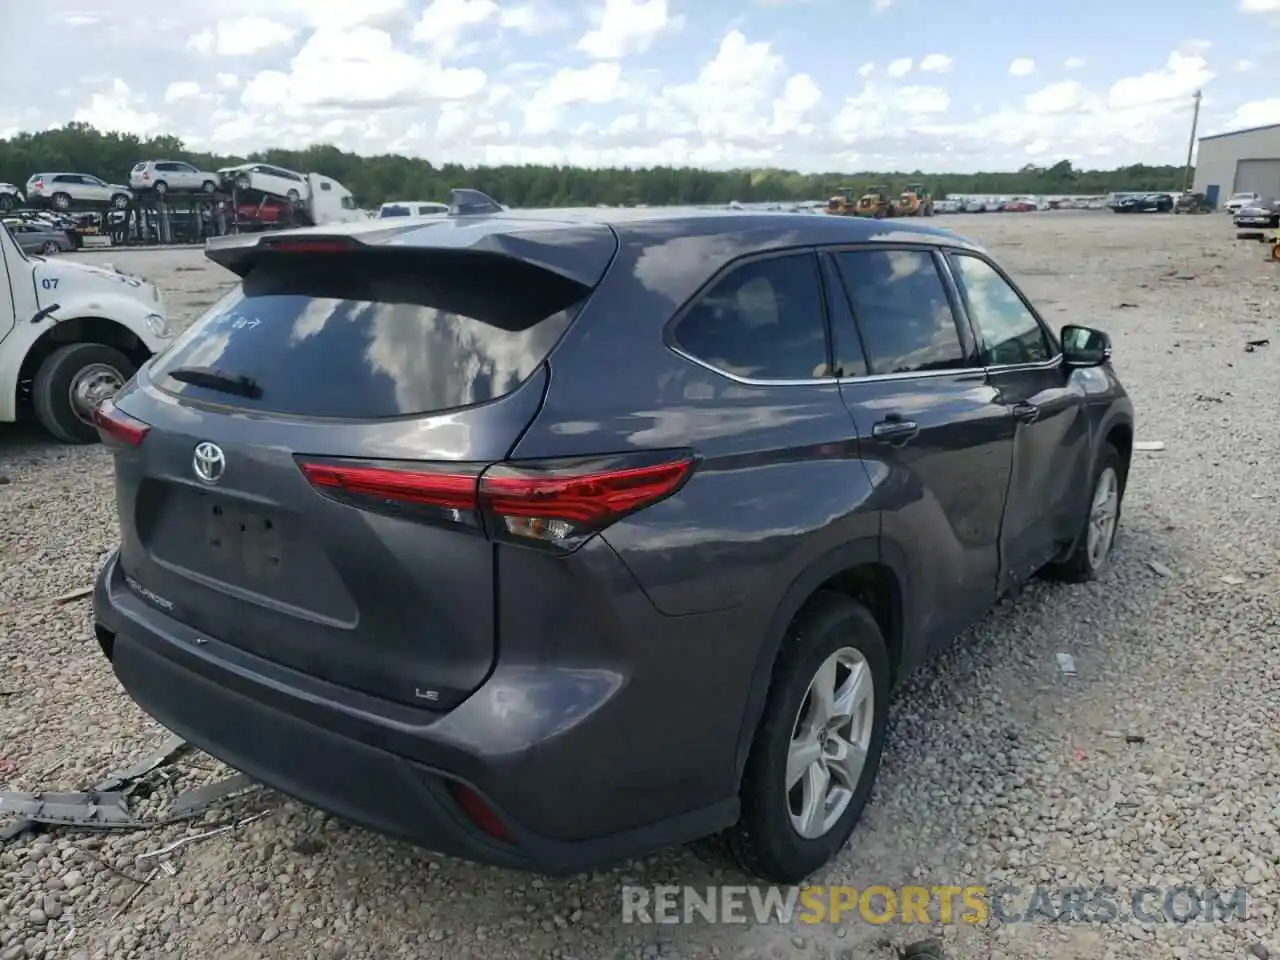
(812, 85)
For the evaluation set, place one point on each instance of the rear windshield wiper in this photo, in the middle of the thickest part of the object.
(212, 379)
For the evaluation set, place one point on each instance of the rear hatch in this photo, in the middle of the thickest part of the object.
(250, 456)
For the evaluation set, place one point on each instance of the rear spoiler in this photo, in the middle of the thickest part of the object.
(579, 252)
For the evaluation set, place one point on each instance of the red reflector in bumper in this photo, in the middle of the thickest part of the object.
(479, 812)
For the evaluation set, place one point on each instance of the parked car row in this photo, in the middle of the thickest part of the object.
(64, 190)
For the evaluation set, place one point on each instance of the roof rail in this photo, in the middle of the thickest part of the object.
(465, 203)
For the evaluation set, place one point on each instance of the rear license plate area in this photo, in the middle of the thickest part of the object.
(243, 546)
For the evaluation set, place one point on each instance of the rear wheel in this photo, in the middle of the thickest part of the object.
(243, 183)
(817, 751)
(49, 248)
(6, 202)
(62, 201)
(120, 201)
(294, 197)
(70, 384)
(161, 187)
(208, 186)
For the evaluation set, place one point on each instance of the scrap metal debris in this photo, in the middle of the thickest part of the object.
(1149, 446)
(105, 806)
(1251, 345)
(183, 841)
(1159, 568)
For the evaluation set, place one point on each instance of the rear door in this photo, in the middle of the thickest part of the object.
(248, 508)
(933, 431)
(1050, 460)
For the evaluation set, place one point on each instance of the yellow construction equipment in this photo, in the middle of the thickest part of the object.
(914, 201)
(842, 204)
(875, 203)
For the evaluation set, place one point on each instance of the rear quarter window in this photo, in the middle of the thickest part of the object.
(376, 336)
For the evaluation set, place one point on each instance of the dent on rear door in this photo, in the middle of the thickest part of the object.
(934, 435)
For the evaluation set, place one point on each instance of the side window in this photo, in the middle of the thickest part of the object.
(762, 320)
(1008, 331)
(348, 203)
(325, 185)
(902, 310)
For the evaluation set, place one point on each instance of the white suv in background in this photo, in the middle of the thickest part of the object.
(266, 178)
(164, 176)
(63, 190)
(1243, 199)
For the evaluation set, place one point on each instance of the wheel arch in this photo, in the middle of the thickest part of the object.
(91, 329)
(861, 570)
(1119, 434)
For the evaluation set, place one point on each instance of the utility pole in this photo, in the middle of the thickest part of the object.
(1191, 146)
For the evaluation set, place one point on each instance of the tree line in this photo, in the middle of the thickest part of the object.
(79, 148)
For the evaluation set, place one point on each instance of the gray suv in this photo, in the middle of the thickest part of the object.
(547, 539)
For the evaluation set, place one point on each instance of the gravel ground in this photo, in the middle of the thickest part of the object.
(1155, 764)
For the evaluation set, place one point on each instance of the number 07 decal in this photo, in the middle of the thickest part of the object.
(49, 283)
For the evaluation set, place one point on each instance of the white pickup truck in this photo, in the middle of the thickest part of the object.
(71, 335)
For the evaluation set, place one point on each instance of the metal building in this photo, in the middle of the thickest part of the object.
(1239, 161)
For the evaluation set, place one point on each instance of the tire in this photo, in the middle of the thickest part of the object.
(209, 187)
(766, 842)
(294, 197)
(49, 248)
(160, 187)
(243, 183)
(61, 201)
(120, 201)
(1081, 565)
(56, 378)
(6, 202)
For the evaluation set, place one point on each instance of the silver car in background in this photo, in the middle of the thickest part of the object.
(39, 237)
(176, 176)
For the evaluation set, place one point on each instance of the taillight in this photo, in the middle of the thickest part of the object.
(114, 424)
(562, 505)
(38, 185)
(554, 503)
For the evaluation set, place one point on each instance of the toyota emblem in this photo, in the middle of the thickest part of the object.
(209, 462)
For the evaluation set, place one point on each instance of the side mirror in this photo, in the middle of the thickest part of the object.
(1085, 347)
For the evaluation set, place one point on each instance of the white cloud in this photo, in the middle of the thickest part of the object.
(1022, 67)
(880, 6)
(1244, 66)
(1073, 63)
(358, 68)
(599, 83)
(227, 81)
(866, 69)
(242, 37)
(118, 108)
(1260, 6)
(626, 27)
(1256, 113)
(181, 90)
(900, 67)
(936, 63)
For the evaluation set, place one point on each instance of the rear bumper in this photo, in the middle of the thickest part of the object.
(378, 764)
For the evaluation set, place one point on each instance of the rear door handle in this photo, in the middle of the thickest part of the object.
(895, 431)
(1026, 412)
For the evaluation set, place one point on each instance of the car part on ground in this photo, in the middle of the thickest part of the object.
(105, 806)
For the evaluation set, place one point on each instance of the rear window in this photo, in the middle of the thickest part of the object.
(375, 335)
(140, 166)
(394, 211)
